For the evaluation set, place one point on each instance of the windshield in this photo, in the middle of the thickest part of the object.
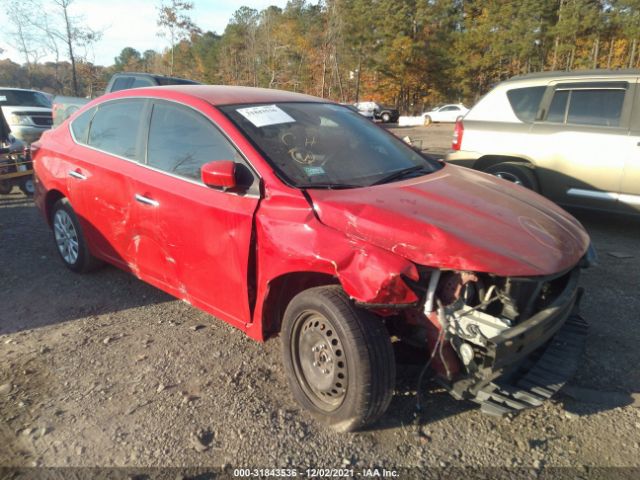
(23, 98)
(325, 145)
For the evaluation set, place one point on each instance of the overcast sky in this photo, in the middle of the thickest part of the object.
(132, 23)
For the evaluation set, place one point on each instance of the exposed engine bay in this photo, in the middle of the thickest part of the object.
(481, 329)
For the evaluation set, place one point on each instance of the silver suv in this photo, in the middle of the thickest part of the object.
(572, 136)
(28, 112)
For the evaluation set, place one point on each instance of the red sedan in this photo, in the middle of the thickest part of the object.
(284, 214)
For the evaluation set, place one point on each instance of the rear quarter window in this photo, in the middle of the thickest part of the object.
(80, 126)
(526, 101)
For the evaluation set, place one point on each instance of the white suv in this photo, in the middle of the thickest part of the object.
(572, 136)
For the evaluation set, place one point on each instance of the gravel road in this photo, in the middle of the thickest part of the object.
(104, 370)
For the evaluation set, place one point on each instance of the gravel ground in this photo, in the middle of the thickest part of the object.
(104, 370)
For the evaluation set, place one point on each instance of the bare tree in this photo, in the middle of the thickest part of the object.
(26, 39)
(62, 31)
(175, 23)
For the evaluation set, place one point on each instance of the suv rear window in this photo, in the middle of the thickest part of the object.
(525, 102)
(587, 106)
(596, 107)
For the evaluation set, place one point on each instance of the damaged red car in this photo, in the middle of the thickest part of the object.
(287, 215)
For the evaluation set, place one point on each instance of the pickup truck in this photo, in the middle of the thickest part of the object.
(63, 106)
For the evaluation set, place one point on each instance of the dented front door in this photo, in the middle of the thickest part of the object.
(192, 240)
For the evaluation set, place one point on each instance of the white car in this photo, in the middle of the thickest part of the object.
(446, 113)
(28, 112)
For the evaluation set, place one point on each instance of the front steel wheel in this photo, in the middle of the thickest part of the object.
(338, 358)
(318, 360)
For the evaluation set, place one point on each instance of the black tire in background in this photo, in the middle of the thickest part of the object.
(518, 173)
(65, 226)
(338, 358)
(27, 186)
(386, 117)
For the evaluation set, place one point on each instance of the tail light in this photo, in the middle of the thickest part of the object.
(33, 148)
(457, 135)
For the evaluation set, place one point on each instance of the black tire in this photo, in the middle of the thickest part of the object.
(5, 188)
(338, 358)
(519, 173)
(386, 118)
(27, 186)
(427, 121)
(82, 261)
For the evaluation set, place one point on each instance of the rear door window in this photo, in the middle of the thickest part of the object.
(115, 128)
(526, 101)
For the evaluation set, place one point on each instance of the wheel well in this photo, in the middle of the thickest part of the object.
(50, 200)
(282, 290)
(490, 160)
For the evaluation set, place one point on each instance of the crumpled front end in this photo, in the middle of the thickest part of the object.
(507, 343)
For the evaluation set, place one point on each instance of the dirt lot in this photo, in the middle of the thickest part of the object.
(104, 370)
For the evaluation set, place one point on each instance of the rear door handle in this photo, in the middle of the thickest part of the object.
(78, 175)
(146, 200)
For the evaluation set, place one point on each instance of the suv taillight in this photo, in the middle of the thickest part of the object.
(457, 135)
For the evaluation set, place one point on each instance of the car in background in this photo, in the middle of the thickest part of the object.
(572, 136)
(445, 114)
(288, 215)
(375, 111)
(64, 106)
(28, 112)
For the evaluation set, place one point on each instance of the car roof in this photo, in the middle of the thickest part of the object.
(155, 76)
(219, 95)
(600, 72)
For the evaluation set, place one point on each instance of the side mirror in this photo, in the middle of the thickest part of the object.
(219, 174)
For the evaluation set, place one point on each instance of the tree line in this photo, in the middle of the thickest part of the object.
(408, 53)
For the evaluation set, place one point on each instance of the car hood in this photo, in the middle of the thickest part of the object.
(459, 219)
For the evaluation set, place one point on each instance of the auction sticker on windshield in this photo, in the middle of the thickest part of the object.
(265, 115)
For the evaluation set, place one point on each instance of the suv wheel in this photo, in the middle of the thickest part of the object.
(338, 358)
(518, 173)
(386, 118)
(70, 242)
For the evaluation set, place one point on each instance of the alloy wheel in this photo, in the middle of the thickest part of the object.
(66, 237)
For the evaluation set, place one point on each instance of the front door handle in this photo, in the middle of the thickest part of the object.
(76, 174)
(146, 200)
